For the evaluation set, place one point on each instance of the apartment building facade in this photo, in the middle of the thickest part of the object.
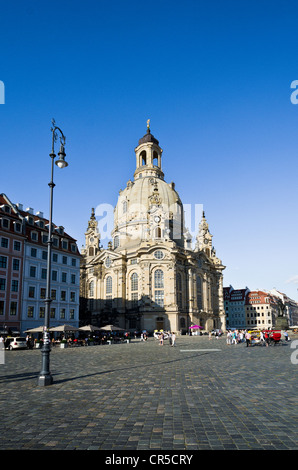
(33, 253)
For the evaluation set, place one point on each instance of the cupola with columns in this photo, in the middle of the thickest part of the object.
(148, 156)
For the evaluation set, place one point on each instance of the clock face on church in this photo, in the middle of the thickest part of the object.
(92, 239)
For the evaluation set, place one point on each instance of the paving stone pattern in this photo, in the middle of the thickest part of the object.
(143, 396)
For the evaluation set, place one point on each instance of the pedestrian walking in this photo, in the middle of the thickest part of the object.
(229, 334)
(173, 339)
(286, 335)
(248, 338)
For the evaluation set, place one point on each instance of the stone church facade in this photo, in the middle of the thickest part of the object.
(150, 277)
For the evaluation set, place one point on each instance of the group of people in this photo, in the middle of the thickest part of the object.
(169, 335)
(239, 336)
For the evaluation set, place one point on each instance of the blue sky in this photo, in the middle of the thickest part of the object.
(213, 77)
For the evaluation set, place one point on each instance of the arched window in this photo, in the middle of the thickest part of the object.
(199, 293)
(158, 232)
(158, 288)
(158, 279)
(144, 158)
(134, 282)
(109, 285)
(179, 290)
(91, 251)
(134, 285)
(124, 207)
(155, 158)
(91, 289)
(116, 241)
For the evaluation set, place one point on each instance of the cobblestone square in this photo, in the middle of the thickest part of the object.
(199, 395)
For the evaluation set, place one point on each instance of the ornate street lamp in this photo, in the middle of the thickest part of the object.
(45, 377)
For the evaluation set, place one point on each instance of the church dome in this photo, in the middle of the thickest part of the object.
(148, 137)
(148, 206)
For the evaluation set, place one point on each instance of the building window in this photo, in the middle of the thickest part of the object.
(64, 277)
(5, 223)
(15, 264)
(73, 279)
(71, 314)
(134, 299)
(116, 241)
(43, 293)
(199, 293)
(72, 296)
(64, 259)
(63, 295)
(158, 279)
(33, 252)
(42, 312)
(159, 298)
(52, 312)
(53, 294)
(32, 271)
(124, 207)
(14, 285)
(13, 308)
(43, 273)
(31, 292)
(55, 257)
(158, 254)
(134, 282)
(179, 290)
(73, 262)
(17, 227)
(2, 283)
(157, 232)
(1, 307)
(34, 236)
(3, 262)
(62, 313)
(109, 285)
(91, 289)
(159, 284)
(30, 311)
(54, 275)
(4, 242)
(17, 245)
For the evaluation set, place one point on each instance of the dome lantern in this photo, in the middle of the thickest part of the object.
(148, 156)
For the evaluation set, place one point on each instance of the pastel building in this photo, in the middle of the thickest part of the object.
(27, 250)
(12, 242)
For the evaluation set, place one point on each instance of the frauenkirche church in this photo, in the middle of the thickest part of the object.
(150, 277)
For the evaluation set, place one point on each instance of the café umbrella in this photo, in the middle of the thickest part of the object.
(111, 328)
(196, 327)
(89, 328)
(64, 328)
(38, 329)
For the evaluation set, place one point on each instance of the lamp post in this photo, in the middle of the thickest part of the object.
(45, 377)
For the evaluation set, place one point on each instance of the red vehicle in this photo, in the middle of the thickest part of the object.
(274, 336)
